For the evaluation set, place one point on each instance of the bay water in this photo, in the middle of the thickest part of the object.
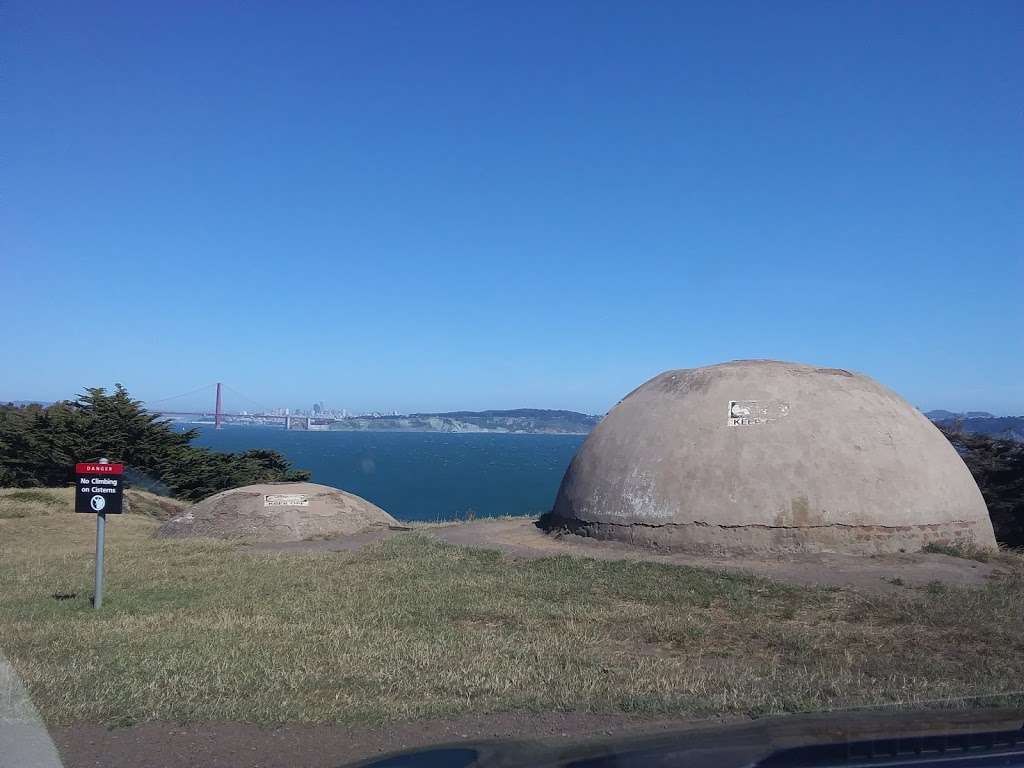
(420, 475)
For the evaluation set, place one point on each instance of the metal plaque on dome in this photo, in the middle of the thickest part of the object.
(285, 500)
(747, 413)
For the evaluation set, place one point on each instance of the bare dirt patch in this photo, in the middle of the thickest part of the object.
(244, 745)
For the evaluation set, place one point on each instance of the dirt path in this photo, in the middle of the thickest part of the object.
(520, 538)
(242, 745)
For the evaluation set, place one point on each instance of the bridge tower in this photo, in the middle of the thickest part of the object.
(217, 413)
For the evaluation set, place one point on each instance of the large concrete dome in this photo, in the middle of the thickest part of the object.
(275, 512)
(759, 455)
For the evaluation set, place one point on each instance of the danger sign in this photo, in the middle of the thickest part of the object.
(100, 488)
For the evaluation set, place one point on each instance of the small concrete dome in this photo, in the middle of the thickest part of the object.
(274, 512)
(760, 455)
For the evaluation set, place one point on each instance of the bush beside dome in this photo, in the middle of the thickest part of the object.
(277, 512)
(764, 455)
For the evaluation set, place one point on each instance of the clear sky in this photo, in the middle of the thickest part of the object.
(429, 206)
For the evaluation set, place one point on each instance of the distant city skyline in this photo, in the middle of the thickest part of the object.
(340, 412)
(453, 206)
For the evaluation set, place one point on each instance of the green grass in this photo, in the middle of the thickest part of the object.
(194, 631)
(966, 552)
(26, 503)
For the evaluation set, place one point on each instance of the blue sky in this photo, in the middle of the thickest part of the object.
(429, 206)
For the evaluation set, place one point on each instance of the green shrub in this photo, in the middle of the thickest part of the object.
(39, 447)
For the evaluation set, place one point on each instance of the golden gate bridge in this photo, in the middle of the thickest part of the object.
(260, 415)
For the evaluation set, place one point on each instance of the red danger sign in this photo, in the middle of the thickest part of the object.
(99, 469)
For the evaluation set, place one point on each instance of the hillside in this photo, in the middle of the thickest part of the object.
(998, 468)
(520, 420)
(980, 423)
(17, 503)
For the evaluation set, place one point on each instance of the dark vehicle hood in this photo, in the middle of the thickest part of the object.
(848, 739)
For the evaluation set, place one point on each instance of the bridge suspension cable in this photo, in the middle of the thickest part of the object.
(183, 394)
(260, 406)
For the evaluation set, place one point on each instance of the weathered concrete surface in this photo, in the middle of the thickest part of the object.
(24, 741)
(759, 455)
(248, 513)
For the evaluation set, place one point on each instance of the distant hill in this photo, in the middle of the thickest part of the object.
(980, 423)
(519, 420)
(940, 415)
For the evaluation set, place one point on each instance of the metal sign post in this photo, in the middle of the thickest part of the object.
(101, 530)
(100, 489)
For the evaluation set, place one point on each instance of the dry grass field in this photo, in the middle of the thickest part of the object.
(408, 628)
